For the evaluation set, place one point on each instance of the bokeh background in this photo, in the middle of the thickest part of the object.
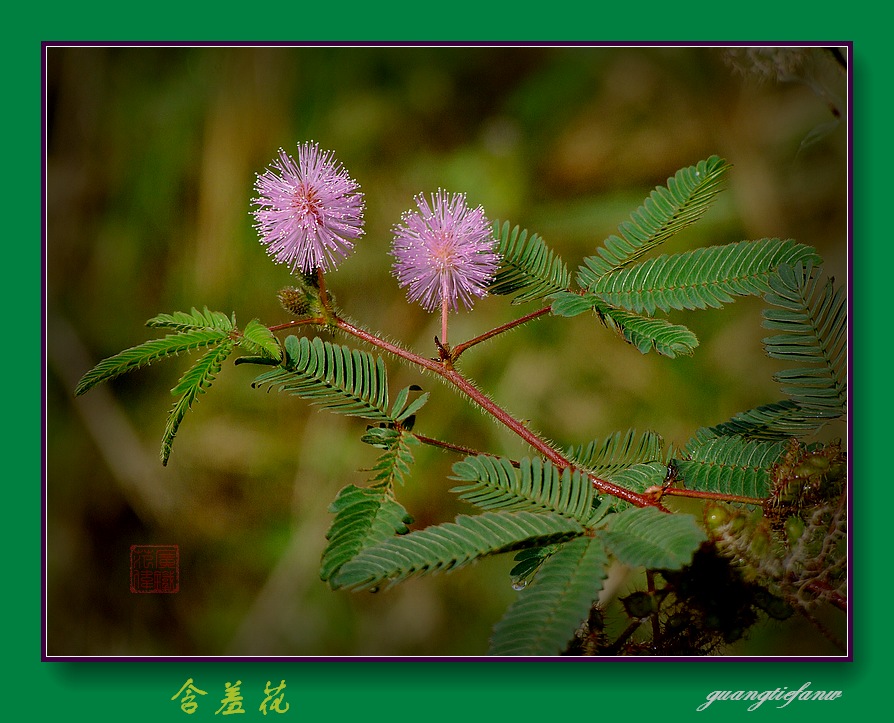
(151, 159)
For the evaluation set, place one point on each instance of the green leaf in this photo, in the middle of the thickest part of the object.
(778, 420)
(194, 382)
(730, 465)
(258, 339)
(644, 332)
(536, 485)
(605, 457)
(528, 268)
(571, 303)
(194, 320)
(148, 352)
(647, 333)
(652, 539)
(547, 612)
(638, 478)
(452, 545)
(403, 410)
(701, 278)
(394, 465)
(363, 517)
(813, 320)
(667, 211)
(350, 382)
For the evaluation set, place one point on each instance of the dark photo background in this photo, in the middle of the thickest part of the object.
(151, 157)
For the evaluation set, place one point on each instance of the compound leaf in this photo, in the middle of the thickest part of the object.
(193, 383)
(647, 537)
(346, 381)
(194, 320)
(668, 210)
(549, 610)
(604, 457)
(535, 485)
(148, 352)
(729, 465)
(363, 517)
(258, 339)
(529, 269)
(452, 545)
(705, 277)
(778, 420)
(812, 319)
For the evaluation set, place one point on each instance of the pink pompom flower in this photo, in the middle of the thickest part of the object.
(444, 252)
(309, 211)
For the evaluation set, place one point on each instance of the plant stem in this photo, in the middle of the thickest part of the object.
(446, 371)
(445, 309)
(718, 496)
(468, 451)
(460, 348)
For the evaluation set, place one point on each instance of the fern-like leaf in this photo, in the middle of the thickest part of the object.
(812, 319)
(638, 478)
(195, 319)
(529, 269)
(647, 333)
(644, 332)
(605, 457)
(363, 517)
(258, 339)
(194, 382)
(394, 465)
(667, 211)
(730, 465)
(549, 611)
(346, 381)
(705, 277)
(452, 545)
(649, 538)
(148, 352)
(775, 421)
(536, 485)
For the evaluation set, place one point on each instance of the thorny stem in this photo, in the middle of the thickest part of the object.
(460, 348)
(445, 370)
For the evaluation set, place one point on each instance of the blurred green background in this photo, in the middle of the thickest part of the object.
(151, 159)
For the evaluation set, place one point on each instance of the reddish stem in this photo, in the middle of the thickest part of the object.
(719, 496)
(446, 371)
(460, 348)
(468, 451)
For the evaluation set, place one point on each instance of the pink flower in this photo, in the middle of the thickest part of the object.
(444, 252)
(308, 211)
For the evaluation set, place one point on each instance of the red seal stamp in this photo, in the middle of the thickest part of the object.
(154, 568)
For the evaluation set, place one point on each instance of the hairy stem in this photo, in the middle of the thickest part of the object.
(468, 451)
(718, 496)
(460, 348)
(446, 371)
